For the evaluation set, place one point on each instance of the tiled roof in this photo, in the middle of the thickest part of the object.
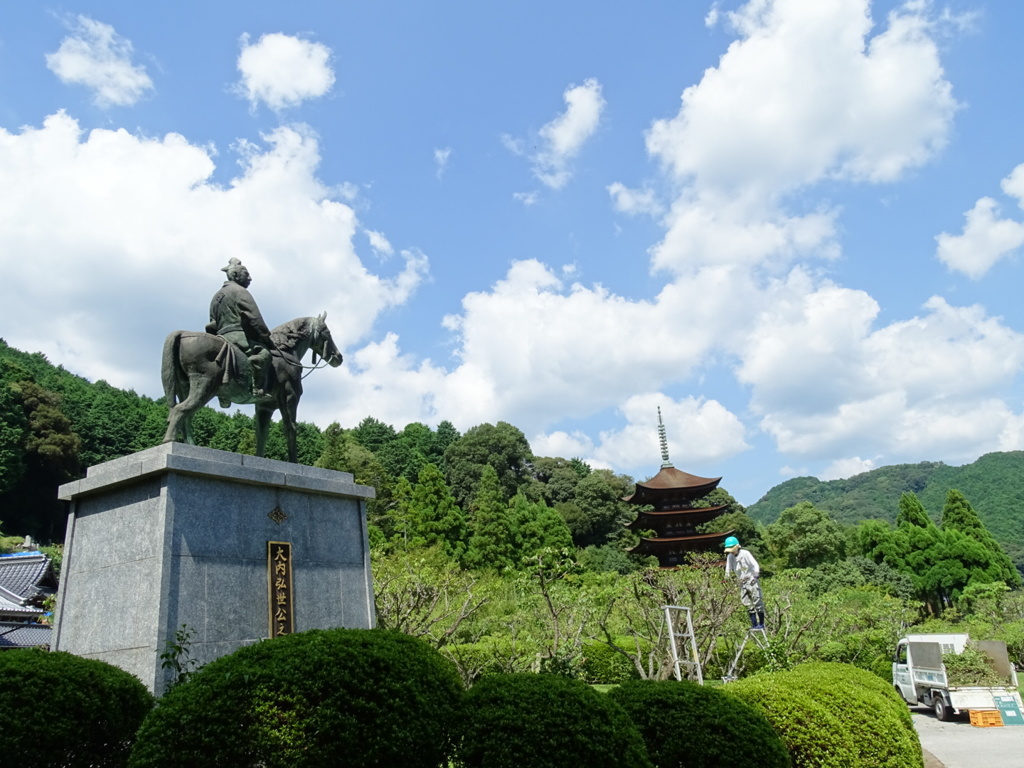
(20, 635)
(10, 609)
(26, 577)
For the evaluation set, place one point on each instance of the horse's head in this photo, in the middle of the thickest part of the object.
(322, 344)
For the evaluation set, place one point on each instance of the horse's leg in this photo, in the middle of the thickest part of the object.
(288, 413)
(179, 417)
(201, 390)
(173, 419)
(171, 379)
(289, 388)
(263, 414)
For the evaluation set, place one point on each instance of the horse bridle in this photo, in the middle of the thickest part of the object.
(324, 361)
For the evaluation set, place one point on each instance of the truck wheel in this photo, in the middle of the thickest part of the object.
(942, 711)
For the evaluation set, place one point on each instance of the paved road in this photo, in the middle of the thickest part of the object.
(958, 744)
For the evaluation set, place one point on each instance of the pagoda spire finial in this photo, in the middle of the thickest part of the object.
(663, 438)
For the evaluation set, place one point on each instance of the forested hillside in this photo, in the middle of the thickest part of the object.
(994, 484)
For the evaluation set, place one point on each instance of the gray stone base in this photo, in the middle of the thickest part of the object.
(177, 535)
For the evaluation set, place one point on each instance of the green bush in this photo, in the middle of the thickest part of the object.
(319, 698)
(62, 710)
(835, 715)
(687, 724)
(812, 734)
(546, 721)
(602, 664)
(878, 719)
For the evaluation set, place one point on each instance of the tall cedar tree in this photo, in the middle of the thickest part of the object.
(959, 515)
(437, 517)
(492, 544)
(537, 527)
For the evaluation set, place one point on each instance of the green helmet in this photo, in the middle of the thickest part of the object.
(731, 542)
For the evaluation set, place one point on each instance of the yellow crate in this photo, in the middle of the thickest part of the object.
(986, 718)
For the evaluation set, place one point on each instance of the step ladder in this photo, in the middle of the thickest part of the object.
(690, 659)
(760, 637)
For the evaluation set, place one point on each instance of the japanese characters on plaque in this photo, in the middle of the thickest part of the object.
(281, 600)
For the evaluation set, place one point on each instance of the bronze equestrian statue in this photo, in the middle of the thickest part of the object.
(240, 360)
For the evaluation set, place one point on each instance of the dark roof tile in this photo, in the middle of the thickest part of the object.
(21, 635)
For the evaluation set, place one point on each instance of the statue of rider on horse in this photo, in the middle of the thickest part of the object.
(235, 317)
(240, 360)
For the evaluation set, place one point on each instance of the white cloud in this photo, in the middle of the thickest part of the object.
(808, 94)
(109, 219)
(986, 238)
(718, 232)
(711, 18)
(561, 139)
(564, 444)
(441, 158)
(701, 433)
(805, 95)
(283, 71)
(825, 382)
(379, 243)
(1013, 185)
(634, 201)
(843, 468)
(97, 57)
(526, 198)
(537, 350)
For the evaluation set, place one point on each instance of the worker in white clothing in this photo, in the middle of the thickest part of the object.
(741, 563)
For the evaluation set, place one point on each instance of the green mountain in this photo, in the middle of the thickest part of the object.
(994, 485)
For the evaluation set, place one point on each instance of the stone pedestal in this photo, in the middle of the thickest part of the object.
(178, 535)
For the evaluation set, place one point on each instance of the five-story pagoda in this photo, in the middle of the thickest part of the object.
(671, 494)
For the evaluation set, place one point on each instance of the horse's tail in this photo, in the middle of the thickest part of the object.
(169, 368)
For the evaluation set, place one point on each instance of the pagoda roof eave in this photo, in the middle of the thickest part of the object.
(687, 543)
(696, 516)
(671, 481)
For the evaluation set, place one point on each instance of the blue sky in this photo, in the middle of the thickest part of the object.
(793, 225)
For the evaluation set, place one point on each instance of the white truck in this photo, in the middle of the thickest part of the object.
(919, 675)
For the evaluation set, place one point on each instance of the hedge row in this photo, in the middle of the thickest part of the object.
(376, 697)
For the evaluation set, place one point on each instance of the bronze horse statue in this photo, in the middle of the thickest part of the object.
(198, 366)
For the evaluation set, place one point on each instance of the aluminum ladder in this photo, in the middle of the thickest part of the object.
(762, 642)
(691, 660)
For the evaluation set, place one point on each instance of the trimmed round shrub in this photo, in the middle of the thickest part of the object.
(546, 721)
(602, 664)
(835, 715)
(877, 718)
(814, 737)
(61, 709)
(687, 724)
(352, 697)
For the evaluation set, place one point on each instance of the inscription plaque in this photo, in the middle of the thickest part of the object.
(280, 601)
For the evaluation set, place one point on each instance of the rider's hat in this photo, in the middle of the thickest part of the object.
(232, 263)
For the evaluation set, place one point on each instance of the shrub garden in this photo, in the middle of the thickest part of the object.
(381, 698)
